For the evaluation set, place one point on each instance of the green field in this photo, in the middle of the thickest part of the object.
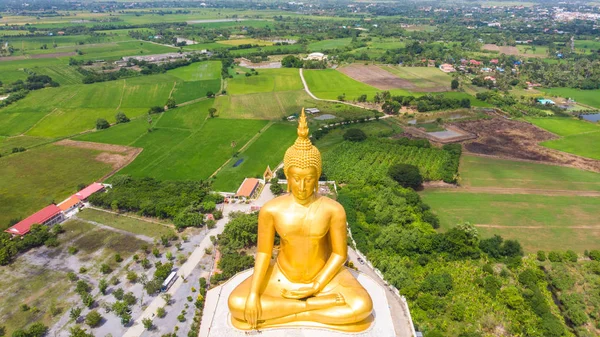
(380, 128)
(422, 77)
(564, 126)
(329, 44)
(585, 145)
(578, 137)
(189, 91)
(7, 144)
(267, 80)
(538, 222)
(210, 70)
(268, 149)
(33, 179)
(238, 42)
(135, 226)
(75, 108)
(269, 105)
(489, 172)
(589, 97)
(191, 116)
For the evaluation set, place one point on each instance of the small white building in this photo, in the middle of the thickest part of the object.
(316, 57)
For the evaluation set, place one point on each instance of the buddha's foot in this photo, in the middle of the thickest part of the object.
(325, 301)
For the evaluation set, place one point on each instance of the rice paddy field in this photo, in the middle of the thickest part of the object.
(422, 77)
(324, 45)
(268, 149)
(238, 42)
(266, 105)
(267, 80)
(577, 136)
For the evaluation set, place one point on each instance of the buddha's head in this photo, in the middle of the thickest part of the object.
(302, 164)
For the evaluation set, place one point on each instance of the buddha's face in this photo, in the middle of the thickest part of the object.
(302, 182)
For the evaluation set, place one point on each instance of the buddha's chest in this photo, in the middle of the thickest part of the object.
(302, 224)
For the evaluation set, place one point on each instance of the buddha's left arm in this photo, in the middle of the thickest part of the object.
(339, 248)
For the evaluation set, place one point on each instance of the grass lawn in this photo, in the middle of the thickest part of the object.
(589, 97)
(266, 105)
(33, 179)
(268, 149)
(209, 70)
(380, 128)
(125, 223)
(422, 77)
(556, 223)
(528, 50)
(267, 80)
(564, 126)
(320, 46)
(488, 172)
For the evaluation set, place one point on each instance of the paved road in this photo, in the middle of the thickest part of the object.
(399, 315)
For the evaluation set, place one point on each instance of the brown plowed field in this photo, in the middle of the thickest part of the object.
(118, 156)
(377, 77)
(509, 139)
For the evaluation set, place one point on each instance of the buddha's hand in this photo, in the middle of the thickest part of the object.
(253, 310)
(300, 293)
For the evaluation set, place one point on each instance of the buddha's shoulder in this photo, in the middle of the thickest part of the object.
(330, 203)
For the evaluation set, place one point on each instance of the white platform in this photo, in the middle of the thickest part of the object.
(216, 319)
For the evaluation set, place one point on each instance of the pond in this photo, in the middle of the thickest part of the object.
(592, 117)
(237, 163)
(325, 117)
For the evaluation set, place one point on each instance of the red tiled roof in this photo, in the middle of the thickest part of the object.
(39, 217)
(72, 201)
(247, 188)
(86, 192)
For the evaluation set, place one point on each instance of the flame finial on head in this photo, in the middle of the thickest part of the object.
(302, 154)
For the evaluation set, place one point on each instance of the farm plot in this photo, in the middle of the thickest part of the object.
(210, 70)
(37, 177)
(266, 81)
(268, 105)
(268, 149)
(588, 97)
(577, 135)
(536, 221)
(191, 116)
(425, 79)
(238, 42)
(7, 144)
(519, 50)
(175, 154)
(480, 172)
(376, 77)
(511, 139)
(329, 44)
(329, 84)
(371, 160)
(63, 74)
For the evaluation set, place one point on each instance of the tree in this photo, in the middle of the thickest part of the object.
(454, 84)
(93, 319)
(75, 313)
(147, 322)
(406, 175)
(156, 110)
(276, 187)
(37, 330)
(541, 256)
(161, 312)
(362, 98)
(79, 332)
(118, 294)
(210, 94)
(212, 112)
(121, 118)
(102, 123)
(105, 269)
(171, 103)
(291, 61)
(355, 135)
(132, 276)
(391, 107)
(102, 286)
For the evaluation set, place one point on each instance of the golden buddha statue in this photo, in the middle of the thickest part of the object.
(308, 285)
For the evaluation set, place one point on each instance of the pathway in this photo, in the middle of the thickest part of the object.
(325, 100)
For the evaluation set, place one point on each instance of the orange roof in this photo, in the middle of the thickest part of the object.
(72, 201)
(247, 188)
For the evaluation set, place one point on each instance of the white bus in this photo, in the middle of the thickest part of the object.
(169, 281)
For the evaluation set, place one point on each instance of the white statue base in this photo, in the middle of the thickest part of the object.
(216, 320)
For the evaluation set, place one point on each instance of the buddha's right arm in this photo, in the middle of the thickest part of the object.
(266, 236)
